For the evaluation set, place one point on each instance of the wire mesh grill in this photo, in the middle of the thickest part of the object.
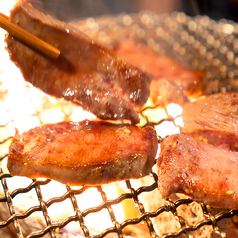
(198, 42)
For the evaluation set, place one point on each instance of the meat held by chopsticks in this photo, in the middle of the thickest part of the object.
(85, 73)
(213, 119)
(88, 152)
(171, 81)
(204, 172)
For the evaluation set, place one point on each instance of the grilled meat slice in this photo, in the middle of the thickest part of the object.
(204, 172)
(213, 119)
(171, 81)
(88, 152)
(85, 73)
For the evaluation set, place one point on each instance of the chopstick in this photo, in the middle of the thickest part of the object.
(29, 39)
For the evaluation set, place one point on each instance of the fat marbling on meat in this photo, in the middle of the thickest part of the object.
(202, 171)
(86, 72)
(88, 152)
(213, 119)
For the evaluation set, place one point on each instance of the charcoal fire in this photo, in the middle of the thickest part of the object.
(133, 208)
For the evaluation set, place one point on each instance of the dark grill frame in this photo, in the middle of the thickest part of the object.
(199, 54)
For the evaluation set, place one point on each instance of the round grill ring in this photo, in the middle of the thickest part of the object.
(199, 42)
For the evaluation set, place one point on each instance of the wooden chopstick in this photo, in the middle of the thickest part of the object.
(1, 14)
(29, 39)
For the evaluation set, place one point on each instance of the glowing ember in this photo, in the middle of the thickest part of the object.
(174, 110)
(166, 128)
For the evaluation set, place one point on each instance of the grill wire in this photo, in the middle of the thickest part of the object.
(199, 42)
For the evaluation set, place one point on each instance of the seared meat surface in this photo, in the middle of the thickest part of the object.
(213, 119)
(204, 172)
(85, 73)
(87, 152)
(171, 81)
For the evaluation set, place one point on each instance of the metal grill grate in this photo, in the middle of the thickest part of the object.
(117, 227)
(54, 228)
(202, 43)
